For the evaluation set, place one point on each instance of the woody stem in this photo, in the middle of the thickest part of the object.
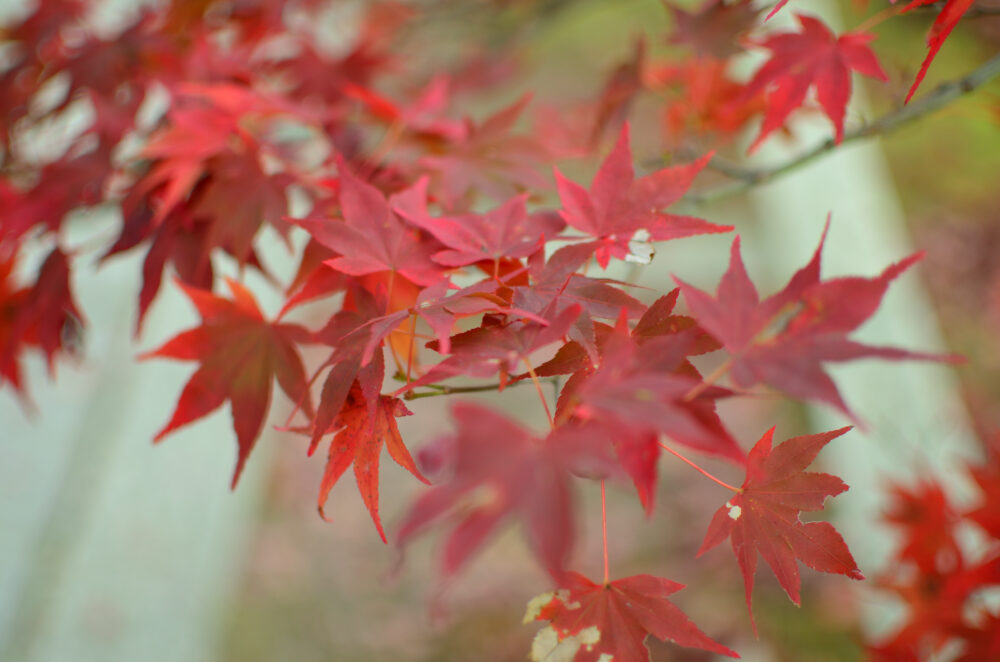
(699, 469)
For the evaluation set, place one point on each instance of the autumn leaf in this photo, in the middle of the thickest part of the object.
(784, 340)
(635, 391)
(764, 516)
(949, 16)
(813, 58)
(714, 29)
(592, 622)
(556, 282)
(359, 440)
(489, 158)
(618, 205)
(645, 388)
(703, 100)
(372, 238)
(241, 354)
(620, 90)
(503, 471)
(508, 231)
(42, 316)
(496, 348)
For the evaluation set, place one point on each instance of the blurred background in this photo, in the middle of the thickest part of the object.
(113, 549)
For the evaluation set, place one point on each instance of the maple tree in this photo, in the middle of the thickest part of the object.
(453, 255)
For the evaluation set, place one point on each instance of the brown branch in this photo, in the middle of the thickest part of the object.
(451, 390)
(975, 11)
(939, 97)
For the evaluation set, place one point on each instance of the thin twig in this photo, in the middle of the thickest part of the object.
(976, 11)
(451, 390)
(934, 100)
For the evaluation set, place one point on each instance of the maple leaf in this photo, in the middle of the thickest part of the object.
(620, 90)
(645, 388)
(764, 517)
(703, 99)
(555, 282)
(483, 351)
(592, 622)
(62, 186)
(987, 478)
(940, 602)
(489, 159)
(50, 317)
(949, 16)
(507, 231)
(42, 316)
(347, 362)
(715, 28)
(359, 440)
(815, 58)
(181, 240)
(502, 470)
(422, 116)
(658, 320)
(241, 354)
(206, 187)
(634, 388)
(12, 298)
(618, 205)
(776, 8)
(928, 521)
(372, 239)
(822, 314)
(439, 307)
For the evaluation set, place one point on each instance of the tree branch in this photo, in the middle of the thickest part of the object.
(934, 100)
(451, 390)
(975, 11)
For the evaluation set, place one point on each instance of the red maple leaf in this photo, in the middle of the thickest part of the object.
(497, 347)
(715, 28)
(372, 238)
(507, 231)
(597, 622)
(987, 477)
(823, 314)
(644, 388)
(43, 316)
(815, 58)
(359, 440)
(951, 13)
(618, 205)
(703, 99)
(620, 90)
(928, 521)
(502, 470)
(488, 158)
(241, 354)
(556, 280)
(636, 446)
(764, 517)
(12, 298)
(206, 187)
